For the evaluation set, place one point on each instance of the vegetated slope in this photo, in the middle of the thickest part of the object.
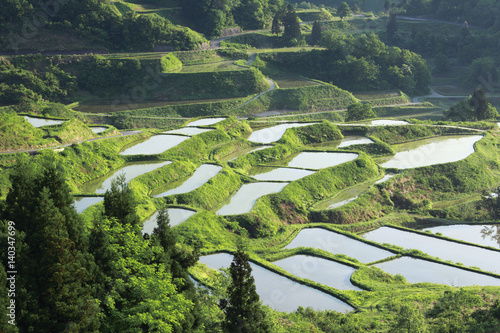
(94, 21)
(312, 98)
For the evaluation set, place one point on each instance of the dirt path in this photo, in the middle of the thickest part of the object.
(434, 94)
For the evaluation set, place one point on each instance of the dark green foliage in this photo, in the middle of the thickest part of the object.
(18, 84)
(316, 33)
(242, 308)
(120, 202)
(53, 289)
(358, 63)
(211, 17)
(291, 24)
(409, 320)
(475, 108)
(442, 63)
(343, 10)
(177, 261)
(392, 26)
(482, 108)
(276, 25)
(359, 111)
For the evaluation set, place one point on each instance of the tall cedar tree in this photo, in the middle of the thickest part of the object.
(316, 33)
(291, 23)
(392, 26)
(242, 308)
(176, 261)
(53, 285)
(276, 25)
(119, 202)
(343, 10)
(482, 107)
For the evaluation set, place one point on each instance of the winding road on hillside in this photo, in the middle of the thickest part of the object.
(434, 94)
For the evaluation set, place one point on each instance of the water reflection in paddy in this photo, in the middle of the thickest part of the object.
(283, 174)
(39, 122)
(83, 203)
(354, 140)
(98, 130)
(320, 160)
(440, 150)
(466, 254)
(155, 145)
(272, 134)
(483, 234)
(189, 131)
(388, 122)
(176, 215)
(205, 122)
(279, 292)
(336, 243)
(327, 272)
(130, 172)
(199, 177)
(417, 270)
(243, 201)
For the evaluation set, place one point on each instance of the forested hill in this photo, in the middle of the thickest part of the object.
(484, 13)
(92, 22)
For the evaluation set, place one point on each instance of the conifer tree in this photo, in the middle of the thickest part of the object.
(276, 25)
(291, 23)
(316, 33)
(120, 203)
(242, 308)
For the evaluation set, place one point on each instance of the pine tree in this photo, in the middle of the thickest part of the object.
(242, 308)
(316, 33)
(387, 5)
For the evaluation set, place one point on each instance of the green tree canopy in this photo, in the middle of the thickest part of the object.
(316, 33)
(343, 10)
(359, 111)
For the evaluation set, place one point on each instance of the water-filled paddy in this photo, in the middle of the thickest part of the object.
(243, 201)
(155, 145)
(199, 177)
(354, 140)
(279, 292)
(205, 122)
(327, 272)
(440, 150)
(189, 131)
(176, 215)
(385, 178)
(283, 174)
(98, 130)
(272, 134)
(417, 270)
(482, 234)
(83, 203)
(336, 243)
(388, 122)
(39, 122)
(466, 254)
(103, 184)
(320, 160)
